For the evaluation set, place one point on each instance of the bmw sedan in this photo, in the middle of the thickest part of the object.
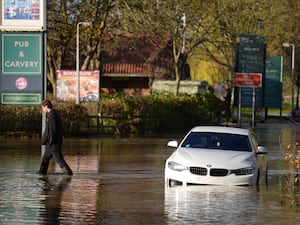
(215, 155)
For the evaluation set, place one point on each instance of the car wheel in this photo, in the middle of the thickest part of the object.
(172, 183)
(169, 183)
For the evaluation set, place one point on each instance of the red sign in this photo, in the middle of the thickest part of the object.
(247, 79)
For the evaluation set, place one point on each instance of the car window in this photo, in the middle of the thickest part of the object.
(214, 140)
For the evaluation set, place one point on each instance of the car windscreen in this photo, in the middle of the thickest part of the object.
(212, 140)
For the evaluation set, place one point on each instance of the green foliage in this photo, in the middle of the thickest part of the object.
(74, 118)
(26, 119)
(211, 31)
(162, 113)
(290, 181)
(126, 114)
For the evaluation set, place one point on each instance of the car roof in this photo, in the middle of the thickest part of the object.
(221, 129)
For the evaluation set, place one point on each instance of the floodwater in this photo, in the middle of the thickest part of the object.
(121, 181)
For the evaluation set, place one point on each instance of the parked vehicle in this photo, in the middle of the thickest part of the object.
(216, 155)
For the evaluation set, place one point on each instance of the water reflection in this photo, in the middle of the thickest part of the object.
(53, 191)
(226, 205)
(211, 205)
(121, 181)
(67, 198)
(20, 195)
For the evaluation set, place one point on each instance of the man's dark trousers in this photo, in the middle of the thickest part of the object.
(50, 151)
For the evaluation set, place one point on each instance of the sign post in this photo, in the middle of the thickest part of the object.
(248, 80)
(23, 79)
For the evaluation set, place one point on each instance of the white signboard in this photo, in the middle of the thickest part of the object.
(23, 15)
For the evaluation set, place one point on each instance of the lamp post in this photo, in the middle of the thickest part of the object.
(183, 20)
(77, 60)
(287, 45)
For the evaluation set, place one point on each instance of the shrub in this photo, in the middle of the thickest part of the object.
(162, 113)
(126, 114)
(25, 119)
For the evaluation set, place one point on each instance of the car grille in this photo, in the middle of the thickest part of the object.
(218, 172)
(213, 172)
(198, 171)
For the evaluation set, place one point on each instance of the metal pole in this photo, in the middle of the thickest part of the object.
(44, 88)
(253, 107)
(287, 45)
(240, 106)
(183, 20)
(297, 98)
(77, 65)
(293, 80)
(77, 61)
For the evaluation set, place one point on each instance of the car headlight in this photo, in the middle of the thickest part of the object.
(243, 171)
(176, 166)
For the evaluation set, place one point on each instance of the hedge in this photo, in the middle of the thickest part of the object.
(120, 114)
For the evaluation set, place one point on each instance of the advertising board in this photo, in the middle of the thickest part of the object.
(23, 15)
(66, 83)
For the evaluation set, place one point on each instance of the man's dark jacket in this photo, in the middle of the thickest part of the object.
(53, 133)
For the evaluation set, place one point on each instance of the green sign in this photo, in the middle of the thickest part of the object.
(21, 98)
(251, 59)
(21, 68)
(21, 54)
(273, 84)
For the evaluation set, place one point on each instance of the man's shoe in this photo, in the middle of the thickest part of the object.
(41, 173)
(67, 171)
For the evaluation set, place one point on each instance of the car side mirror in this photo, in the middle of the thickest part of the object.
(262, 150)
(173, 144)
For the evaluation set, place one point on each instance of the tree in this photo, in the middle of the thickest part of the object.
(63, 17)
(59, 37)
(277, 21)
(184, 22)
(205, 30)
(233, 19)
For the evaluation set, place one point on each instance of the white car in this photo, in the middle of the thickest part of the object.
(215, 155)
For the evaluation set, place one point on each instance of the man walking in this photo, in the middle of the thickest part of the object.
(52, 138)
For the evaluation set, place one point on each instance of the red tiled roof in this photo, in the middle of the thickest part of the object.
(140, 58)
(126, 68)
